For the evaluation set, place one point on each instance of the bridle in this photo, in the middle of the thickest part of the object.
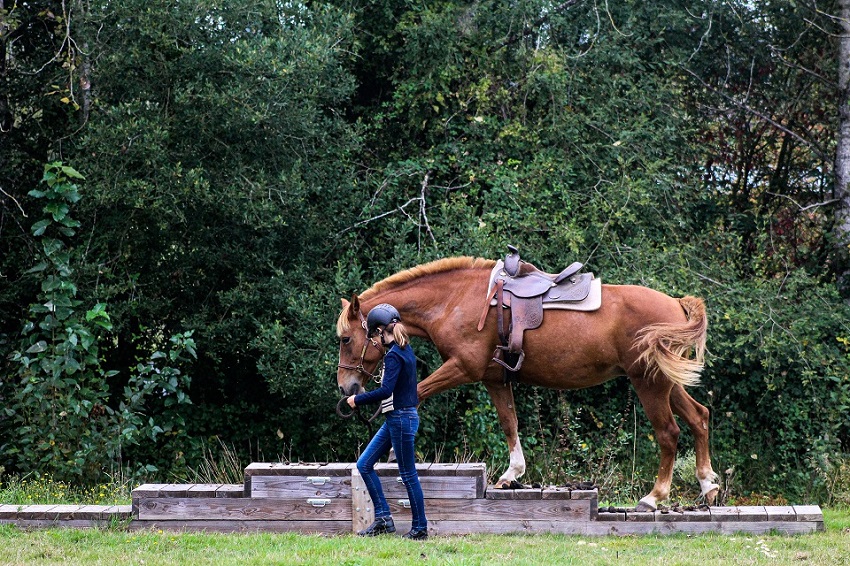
(359, 368)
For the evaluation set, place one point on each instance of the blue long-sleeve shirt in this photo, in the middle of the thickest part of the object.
(399, 380)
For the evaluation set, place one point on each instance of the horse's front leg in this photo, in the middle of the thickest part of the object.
(451, 374)
(503, 399)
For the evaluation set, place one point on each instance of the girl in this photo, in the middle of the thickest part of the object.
(398, 398)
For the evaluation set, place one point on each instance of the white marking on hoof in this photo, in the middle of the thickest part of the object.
(707, 485)
(646, 504)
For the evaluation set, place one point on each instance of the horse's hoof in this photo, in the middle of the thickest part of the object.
(644, 507)
(502, 484)
(711, 495)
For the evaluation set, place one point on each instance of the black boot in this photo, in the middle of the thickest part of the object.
(381, 526)
(416, 535)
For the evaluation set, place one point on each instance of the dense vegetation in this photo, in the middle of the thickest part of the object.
(188, 188)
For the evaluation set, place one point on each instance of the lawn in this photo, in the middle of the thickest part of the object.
(116, 546)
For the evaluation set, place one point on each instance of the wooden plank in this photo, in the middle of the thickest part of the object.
(641, 516)
(808, 513)
(780, 513)
(226, 526)
(202, 489)
(556, 493)
(472, 469)
(608, 516)
(514, 494)
(584, 494)
(443, 487)
(9, 511)
(35, 512)
(244, 509)
(439, 527)
(764, 527)
(695, 527)
(723, 514)
(440, 469)
(297, 487)
(230, 490)
(175, 490)
(278, 469)
(475, 510)
(423, 469)
(362, 510)
(148, 490)
(752, 513)
(683, 516)
(337, 469)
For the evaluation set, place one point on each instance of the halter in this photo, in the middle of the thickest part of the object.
(359, 367)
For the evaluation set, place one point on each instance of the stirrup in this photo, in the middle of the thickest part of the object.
(506, 365)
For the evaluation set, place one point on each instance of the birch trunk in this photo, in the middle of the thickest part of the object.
(842, 151)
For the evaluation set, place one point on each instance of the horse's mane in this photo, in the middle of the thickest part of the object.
(438, 266)
(402, 277)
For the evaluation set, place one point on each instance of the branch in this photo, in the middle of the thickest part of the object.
(758, 114)
(807, 207)
(15, 201)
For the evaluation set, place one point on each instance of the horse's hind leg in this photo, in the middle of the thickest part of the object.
(696, 416)
(503, 399)
(654, 395)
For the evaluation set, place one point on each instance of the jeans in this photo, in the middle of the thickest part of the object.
(398, 431)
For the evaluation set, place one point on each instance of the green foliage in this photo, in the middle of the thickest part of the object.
(60, 407)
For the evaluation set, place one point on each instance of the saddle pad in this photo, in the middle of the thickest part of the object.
(591, 303)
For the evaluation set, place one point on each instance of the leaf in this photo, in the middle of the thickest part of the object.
(71, 172)
(37, 348)
(37, 268)
(39, 227)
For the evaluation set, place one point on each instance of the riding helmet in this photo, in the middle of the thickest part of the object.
(381, 315)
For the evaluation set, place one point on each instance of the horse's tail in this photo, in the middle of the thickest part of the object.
(665, 346)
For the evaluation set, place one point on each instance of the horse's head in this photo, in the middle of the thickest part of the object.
(359, 355)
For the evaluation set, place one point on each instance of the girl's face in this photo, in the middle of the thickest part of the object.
(387, 337)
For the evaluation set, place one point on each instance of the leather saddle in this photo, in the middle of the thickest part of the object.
(525, 291)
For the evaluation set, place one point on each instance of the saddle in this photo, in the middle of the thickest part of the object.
(525, 291)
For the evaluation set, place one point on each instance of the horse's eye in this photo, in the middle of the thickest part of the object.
(345, 339)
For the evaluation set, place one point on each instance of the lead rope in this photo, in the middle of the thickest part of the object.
(421, 364)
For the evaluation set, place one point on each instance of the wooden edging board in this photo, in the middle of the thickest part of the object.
(331, 499)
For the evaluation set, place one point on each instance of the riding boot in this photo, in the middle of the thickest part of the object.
(416, 534)
(382, 525)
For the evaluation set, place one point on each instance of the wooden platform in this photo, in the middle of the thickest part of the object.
(331, 499)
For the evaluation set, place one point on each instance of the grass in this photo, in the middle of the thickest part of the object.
(154, 547)
(35, 489)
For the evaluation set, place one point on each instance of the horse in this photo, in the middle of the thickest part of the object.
(657, 341)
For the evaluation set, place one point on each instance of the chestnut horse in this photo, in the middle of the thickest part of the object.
(637, 332)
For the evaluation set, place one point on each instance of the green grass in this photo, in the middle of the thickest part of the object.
(35, 489)
(153, 547)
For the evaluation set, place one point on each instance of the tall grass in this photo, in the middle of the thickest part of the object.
(34, 489)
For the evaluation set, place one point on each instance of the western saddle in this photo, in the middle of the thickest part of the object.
(524, 290)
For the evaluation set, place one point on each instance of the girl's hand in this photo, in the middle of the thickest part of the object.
(351, 402)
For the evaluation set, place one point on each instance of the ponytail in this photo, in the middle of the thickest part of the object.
(400, 335)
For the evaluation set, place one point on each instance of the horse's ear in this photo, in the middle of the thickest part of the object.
(344, 304)
(354, 309)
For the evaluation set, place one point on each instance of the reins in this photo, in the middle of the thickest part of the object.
(360, 368)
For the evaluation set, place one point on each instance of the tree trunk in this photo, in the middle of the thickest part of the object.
(842, 150)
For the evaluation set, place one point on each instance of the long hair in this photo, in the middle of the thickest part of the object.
(400, 335)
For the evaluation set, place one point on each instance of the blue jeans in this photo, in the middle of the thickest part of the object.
(398, 431)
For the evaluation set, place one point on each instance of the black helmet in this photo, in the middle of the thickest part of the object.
(381, 315)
